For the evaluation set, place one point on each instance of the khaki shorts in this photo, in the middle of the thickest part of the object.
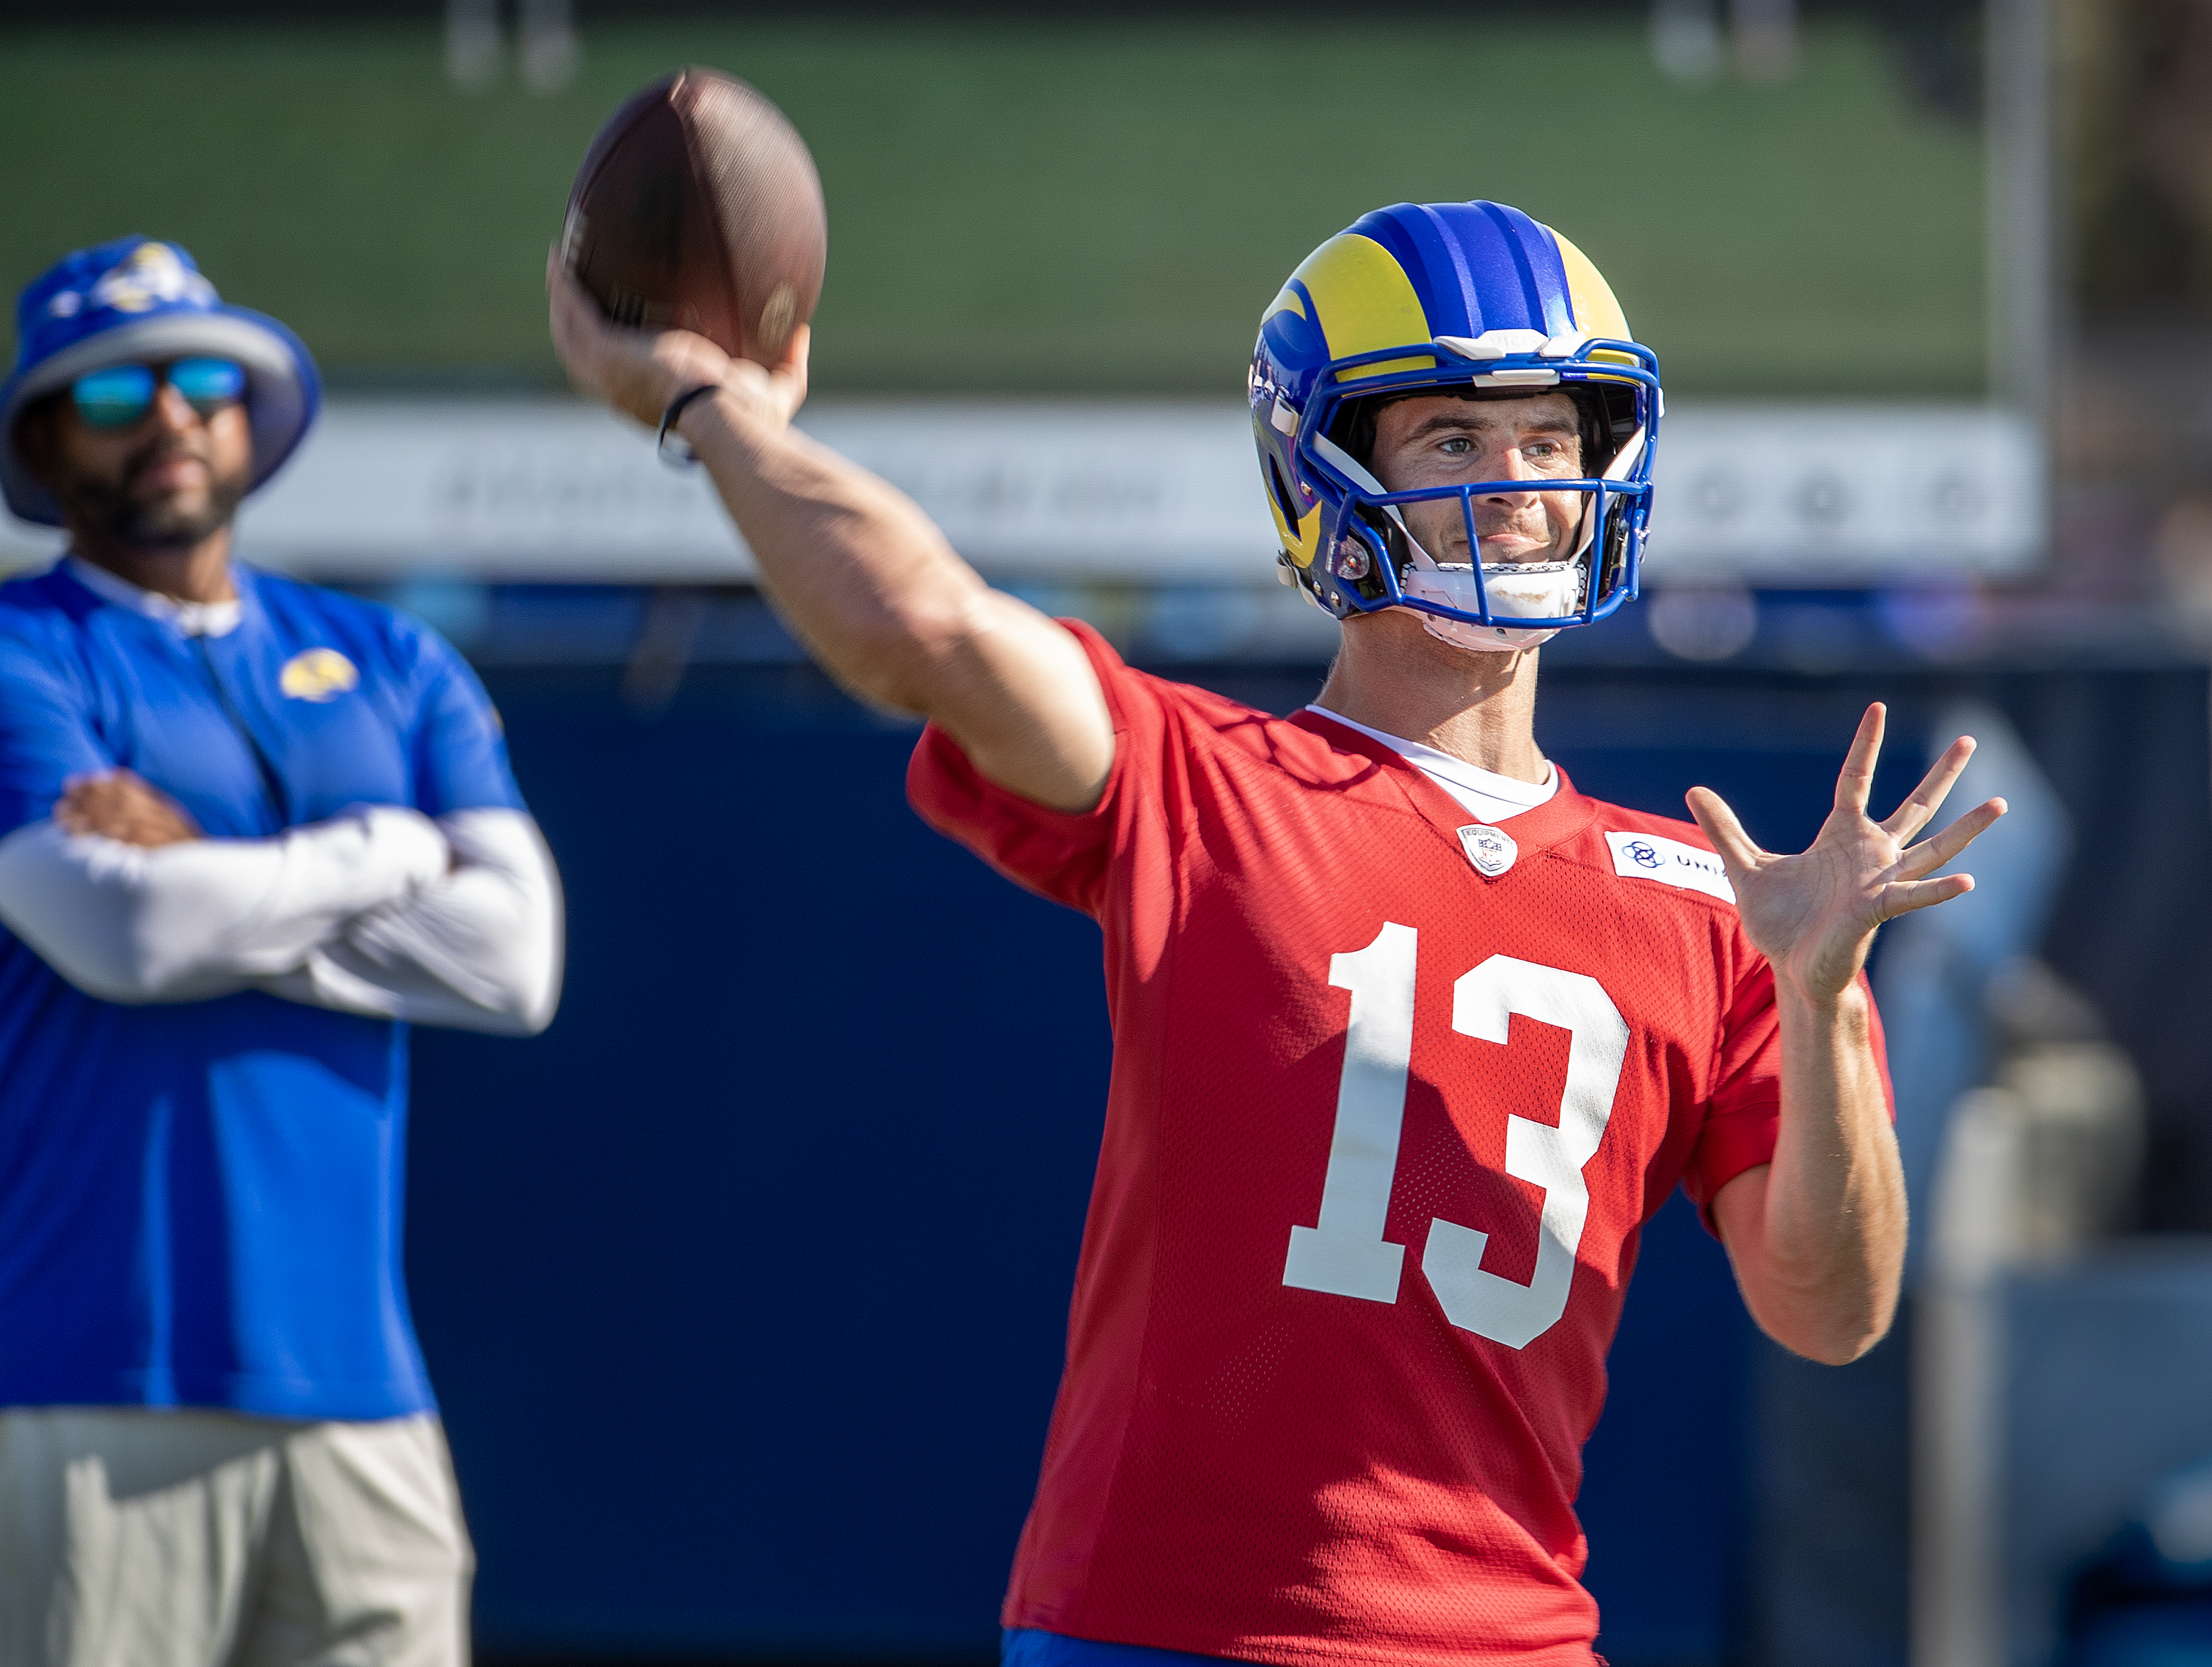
(131, 1538)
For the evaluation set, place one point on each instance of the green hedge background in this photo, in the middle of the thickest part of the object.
(1032, 207)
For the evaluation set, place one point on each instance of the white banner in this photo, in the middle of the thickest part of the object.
(555, 489)
(1844, 494)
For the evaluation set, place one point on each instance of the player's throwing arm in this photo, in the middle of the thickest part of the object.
(697, 204)
(869, 584)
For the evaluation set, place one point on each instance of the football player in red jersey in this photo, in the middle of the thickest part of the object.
(1410, 1037)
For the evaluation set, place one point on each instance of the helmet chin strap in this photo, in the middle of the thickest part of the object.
(1623, 460)
(1456, 586)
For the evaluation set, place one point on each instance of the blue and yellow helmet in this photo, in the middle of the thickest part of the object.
(1450, 296)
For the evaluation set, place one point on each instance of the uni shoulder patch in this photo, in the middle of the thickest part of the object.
(1669, 862)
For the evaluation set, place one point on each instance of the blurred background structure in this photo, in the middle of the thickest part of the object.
(1932, 284)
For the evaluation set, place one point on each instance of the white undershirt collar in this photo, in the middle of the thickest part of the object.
(190, 618)
(1482, 793)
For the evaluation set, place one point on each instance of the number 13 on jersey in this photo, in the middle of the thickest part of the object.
(1345, 1253)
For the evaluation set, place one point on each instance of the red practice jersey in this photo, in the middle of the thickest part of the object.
(1391, 1099)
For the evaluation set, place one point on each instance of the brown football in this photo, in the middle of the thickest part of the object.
(698, 207)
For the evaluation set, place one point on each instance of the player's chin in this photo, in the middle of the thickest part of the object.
(183, 516)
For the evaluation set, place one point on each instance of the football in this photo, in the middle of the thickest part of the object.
(697, 208)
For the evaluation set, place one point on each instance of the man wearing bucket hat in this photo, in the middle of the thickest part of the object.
(247, 827)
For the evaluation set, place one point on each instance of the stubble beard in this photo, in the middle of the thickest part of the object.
(115, 510)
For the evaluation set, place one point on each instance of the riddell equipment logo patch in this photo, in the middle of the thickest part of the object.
(1669, 862)
(1492, 850)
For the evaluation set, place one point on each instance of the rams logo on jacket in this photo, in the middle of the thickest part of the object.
(317, 674)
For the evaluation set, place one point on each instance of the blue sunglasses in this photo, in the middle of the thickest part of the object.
(121, 395)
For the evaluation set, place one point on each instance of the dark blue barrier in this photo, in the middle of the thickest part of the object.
(745, 1287)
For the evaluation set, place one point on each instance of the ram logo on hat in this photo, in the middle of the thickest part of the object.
(149, 274)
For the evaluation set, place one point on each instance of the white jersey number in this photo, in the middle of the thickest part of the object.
(1345, 1253)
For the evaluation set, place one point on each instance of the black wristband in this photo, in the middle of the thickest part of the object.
(685, 457)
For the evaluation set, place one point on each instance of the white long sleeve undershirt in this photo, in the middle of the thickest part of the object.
(477, 949)
(379, 911)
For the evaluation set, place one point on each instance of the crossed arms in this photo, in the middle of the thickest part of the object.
(381, 911)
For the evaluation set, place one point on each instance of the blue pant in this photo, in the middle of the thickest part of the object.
(1027, 1646)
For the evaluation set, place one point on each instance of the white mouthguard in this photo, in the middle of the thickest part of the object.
(1533, 590)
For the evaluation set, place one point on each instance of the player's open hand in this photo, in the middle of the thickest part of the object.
(1814, 915)
(641, 372)
(121, 806)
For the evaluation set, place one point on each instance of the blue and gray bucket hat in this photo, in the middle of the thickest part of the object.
(137, 300)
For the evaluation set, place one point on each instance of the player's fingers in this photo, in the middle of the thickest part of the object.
(564, 283)
(1915, 813)
(559, 294)
(1738, 851)
(1933, 853)
(1856, 780)
(583, 333)
(1903, 897)
(635, 371)
(580, 339)
(568, 319)
(790, 376)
